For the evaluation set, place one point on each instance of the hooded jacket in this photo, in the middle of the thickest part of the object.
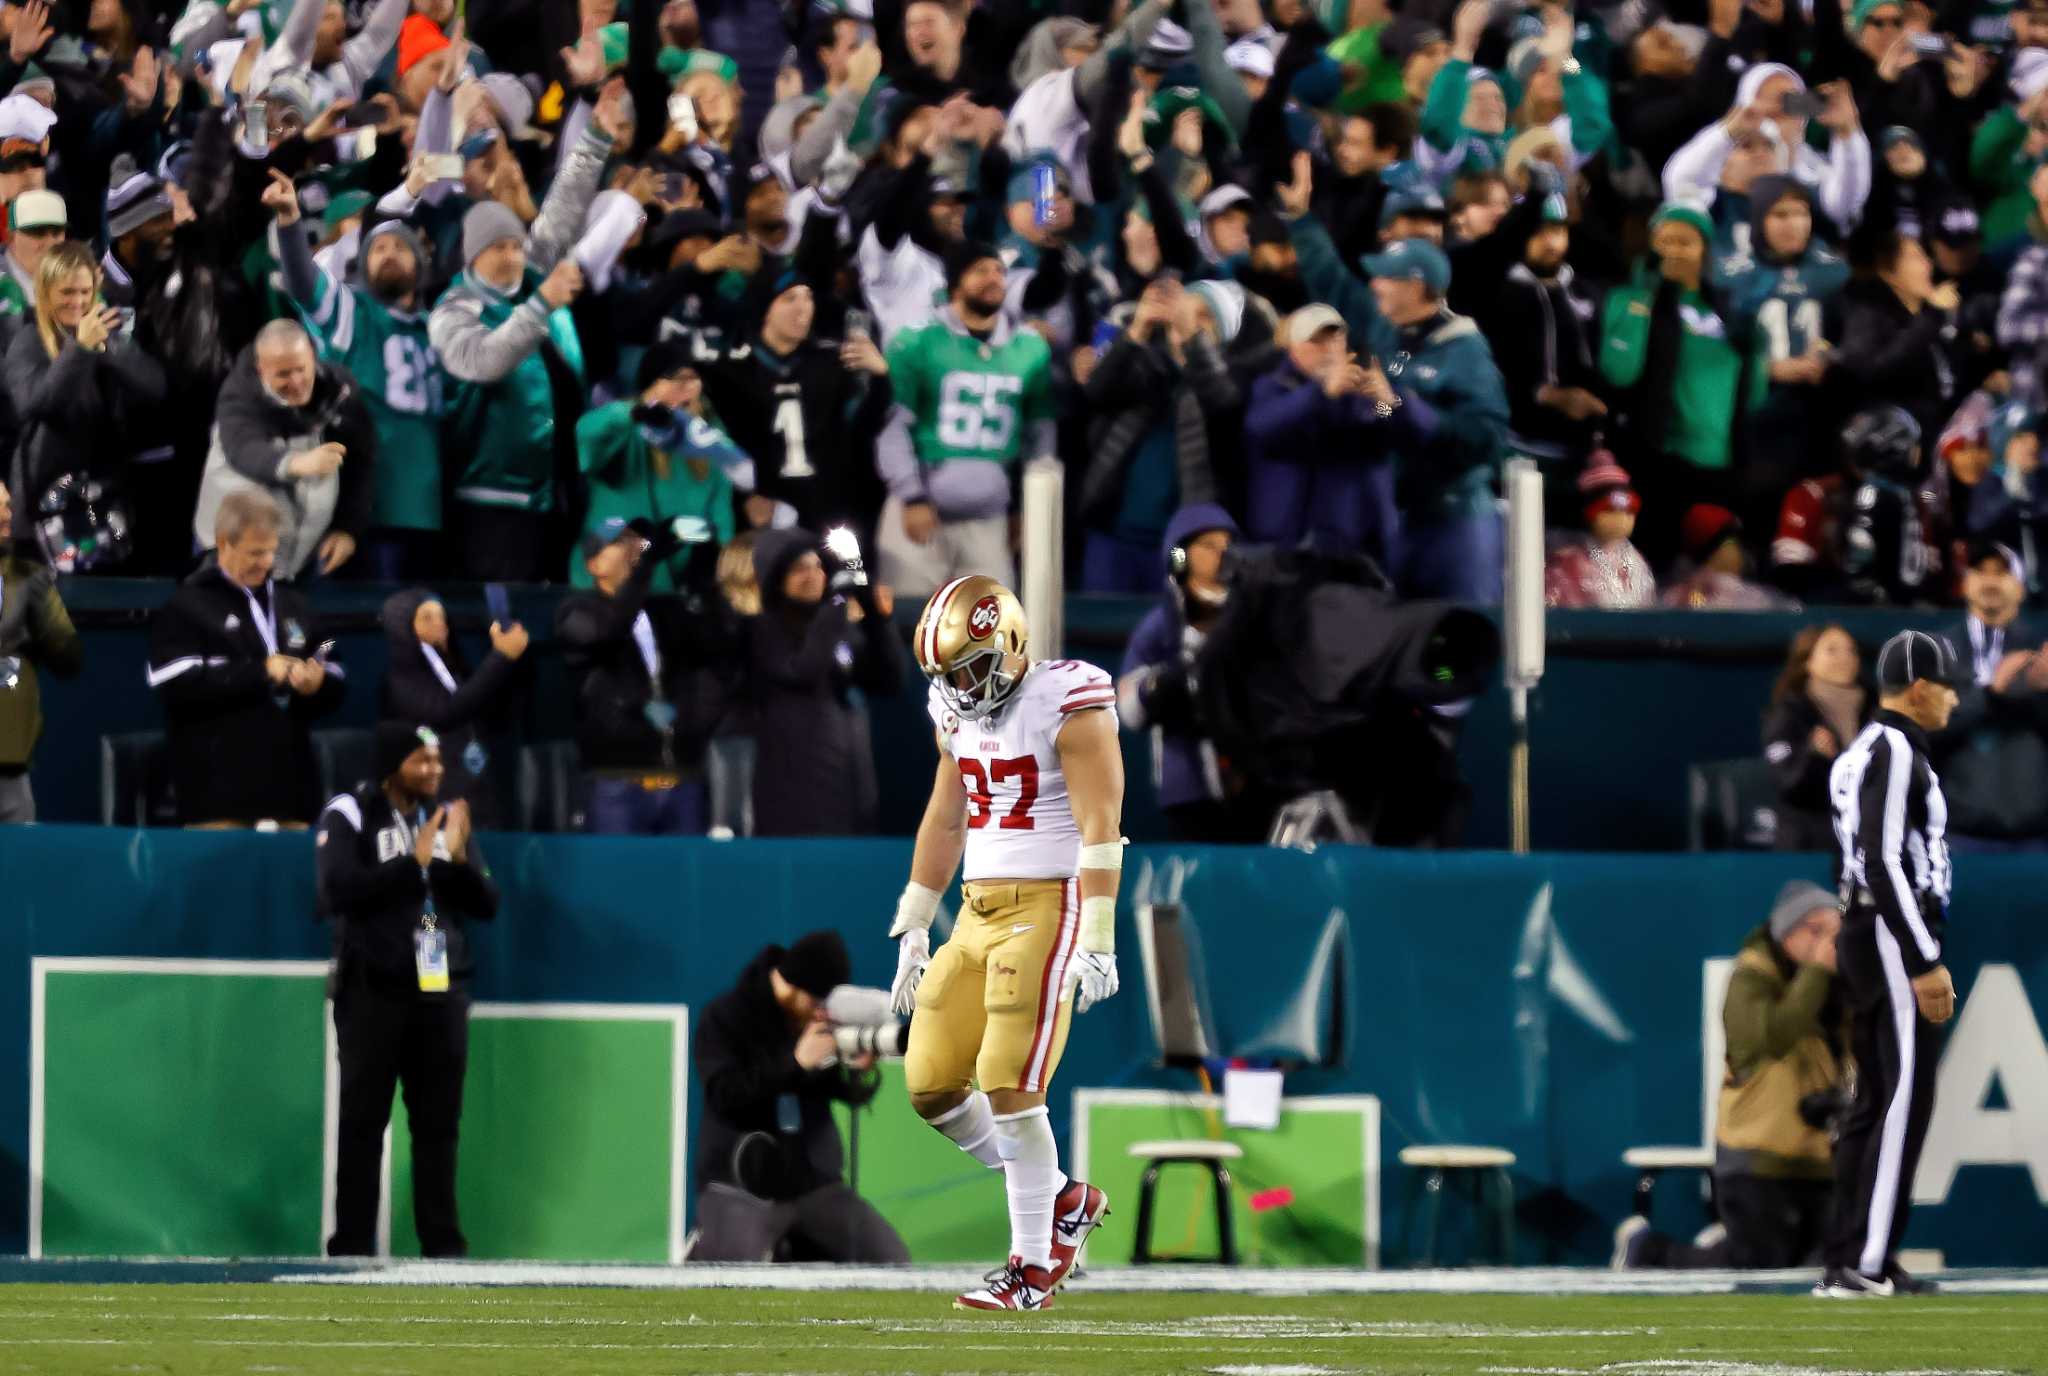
(1447, 449)
(743, 1050)
(255, 438)
(436, 687)
(35, 634)
(1552, 321)
(1185, 767)
(814, 774)
(1840, 177)
(372, 886)
(627, 481)
(241, 748)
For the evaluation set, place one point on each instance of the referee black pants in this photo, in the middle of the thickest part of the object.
(1877, 1149)
(389, 1041)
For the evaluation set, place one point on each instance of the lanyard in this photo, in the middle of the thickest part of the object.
(1987, 647)
(419, 825)
(266, 623)
(643, 636)
(440, 669)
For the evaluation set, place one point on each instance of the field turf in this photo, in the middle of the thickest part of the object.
(316, 1330)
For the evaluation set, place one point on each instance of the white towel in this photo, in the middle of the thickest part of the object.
(614, 218)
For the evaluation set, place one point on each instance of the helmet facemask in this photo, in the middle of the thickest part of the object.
(978, 683)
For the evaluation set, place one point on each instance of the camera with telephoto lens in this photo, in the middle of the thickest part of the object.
(863, 1024)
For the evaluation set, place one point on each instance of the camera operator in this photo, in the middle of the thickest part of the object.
(770, 1160)
(1773, 1169)
(402, 880)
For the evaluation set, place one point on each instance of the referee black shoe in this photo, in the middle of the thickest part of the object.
(1904, 1283)
(1847, 1283)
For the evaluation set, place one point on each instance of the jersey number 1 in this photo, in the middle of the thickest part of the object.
(981, 804)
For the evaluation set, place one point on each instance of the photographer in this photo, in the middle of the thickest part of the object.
(770, 1158)
(1773, 1169)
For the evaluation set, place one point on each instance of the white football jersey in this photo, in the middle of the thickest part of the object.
(1019, 824)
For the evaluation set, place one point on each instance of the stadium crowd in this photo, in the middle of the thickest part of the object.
(643, 297)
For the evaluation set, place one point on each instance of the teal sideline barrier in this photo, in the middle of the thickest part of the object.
(1659, 690)
(1549, 1004)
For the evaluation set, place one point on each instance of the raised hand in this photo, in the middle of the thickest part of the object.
(281, 198)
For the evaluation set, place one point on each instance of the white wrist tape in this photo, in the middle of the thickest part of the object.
(1098, 925)
(1104, 855)
(915, 910)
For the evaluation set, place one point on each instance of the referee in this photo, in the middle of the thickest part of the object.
(1889, 820)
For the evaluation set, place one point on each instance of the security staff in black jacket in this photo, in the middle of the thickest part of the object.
(243, 674)
(402, 879)
(769, 1158)
(1891, 820)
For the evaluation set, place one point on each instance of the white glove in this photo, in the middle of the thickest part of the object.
(913, 953)
(1097, 971)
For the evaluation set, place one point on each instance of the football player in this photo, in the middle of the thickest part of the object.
(1030, 786)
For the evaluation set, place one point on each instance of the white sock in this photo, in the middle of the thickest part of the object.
(1032, 1178)
(971, 1124)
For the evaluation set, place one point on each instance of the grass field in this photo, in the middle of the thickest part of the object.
(317, 1330)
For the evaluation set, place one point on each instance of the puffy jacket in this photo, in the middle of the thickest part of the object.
(255, 438)
(82, 411)
(1446, 462)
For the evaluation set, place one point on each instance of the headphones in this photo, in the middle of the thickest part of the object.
(1177, 561)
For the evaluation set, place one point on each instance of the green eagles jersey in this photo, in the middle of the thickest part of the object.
(971, 400)
(1708, 381)
(1785, 307)
(387, 353)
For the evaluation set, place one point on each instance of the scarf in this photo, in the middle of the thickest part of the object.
(1841, 708)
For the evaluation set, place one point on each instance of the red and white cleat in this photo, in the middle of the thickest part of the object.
(1077, 1212)
(1014, 1286)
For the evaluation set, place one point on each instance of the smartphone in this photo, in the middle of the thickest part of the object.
(499, 602)
(256, 124)
(859, 322)
(682, 116)
(361, 116)
(1803, 105)
(1929, 45)
(478, 144)
(672, 187)
(444, 167)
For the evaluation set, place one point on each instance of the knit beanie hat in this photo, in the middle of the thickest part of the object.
(487, 223)
(393, 742)
(1685, 213)
(1605, 487)
(422, 260)
(1705, 527)
(1860, 12)
(418, 37)
(1793, 903)
(963, 255)
(816, 963)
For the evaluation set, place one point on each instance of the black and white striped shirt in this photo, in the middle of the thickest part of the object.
(1891, 823)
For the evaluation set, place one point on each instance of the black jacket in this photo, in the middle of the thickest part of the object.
(82, 411)
(372, 886)
(1907, 359)
(744, 1053)
(1993, 755)
(240, 747)
(814, 774)
(1554, 323)
(1801, 773)
(613, 688)
(413, 692)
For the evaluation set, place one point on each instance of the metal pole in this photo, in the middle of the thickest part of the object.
(1518, 771)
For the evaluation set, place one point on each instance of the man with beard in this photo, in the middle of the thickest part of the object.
(973, 398)
(377, 330)
(1553, 402)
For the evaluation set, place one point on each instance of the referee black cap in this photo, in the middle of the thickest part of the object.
(1911, 656)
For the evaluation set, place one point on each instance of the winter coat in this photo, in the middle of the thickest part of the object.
(372, 886)
(1447, 448)
(1909, 359)
(1135, 388)
(1805, 816)
(1185, 765)
(814, 774)
(1784, 1042)
(1317, 469)
(626, 481)
(1552, 321)
(743, 1050)
(615, 731)
(1993, 755)
(83, 411)
(35, 634)
(256, 436)
(241, 748)
(416, 691)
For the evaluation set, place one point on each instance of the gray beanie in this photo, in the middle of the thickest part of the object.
(422, 260)
(1794, 902)
(488, 223)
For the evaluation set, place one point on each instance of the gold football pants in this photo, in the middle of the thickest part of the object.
(993, 1007)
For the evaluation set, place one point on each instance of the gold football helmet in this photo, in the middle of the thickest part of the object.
(971, 642)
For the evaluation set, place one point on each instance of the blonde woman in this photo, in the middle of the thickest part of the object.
(83, 392)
